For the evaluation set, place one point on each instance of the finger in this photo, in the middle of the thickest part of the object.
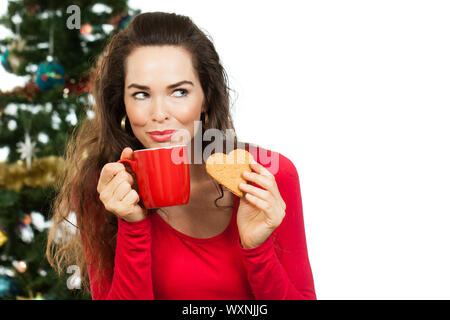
(283, 203)
(108, 172)
(127, 153)
(262, 180)
(273, 219)
(258, 202)
(260, 168)
(260, 193)
(119, 178)
(121, 191)
(131, 198)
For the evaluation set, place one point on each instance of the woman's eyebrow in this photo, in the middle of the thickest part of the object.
(142, 87)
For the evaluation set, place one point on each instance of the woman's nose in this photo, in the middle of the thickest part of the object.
(158, 109)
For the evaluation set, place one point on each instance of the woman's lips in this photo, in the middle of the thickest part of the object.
(162, 137)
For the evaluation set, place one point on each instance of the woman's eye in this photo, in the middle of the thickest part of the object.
(183, 90)
(137, 93)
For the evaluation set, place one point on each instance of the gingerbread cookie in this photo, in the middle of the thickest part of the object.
(227, 169)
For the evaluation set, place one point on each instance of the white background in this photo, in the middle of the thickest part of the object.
(356, 94)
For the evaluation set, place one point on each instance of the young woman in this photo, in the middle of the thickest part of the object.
(163, 73)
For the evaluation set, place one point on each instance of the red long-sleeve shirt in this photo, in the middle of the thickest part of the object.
(155, 261)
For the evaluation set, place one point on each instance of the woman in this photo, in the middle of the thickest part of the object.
(160, 73)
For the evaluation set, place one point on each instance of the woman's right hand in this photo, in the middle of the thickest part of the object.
(116, 192)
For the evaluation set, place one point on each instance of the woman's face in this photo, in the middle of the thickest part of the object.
(162, 92)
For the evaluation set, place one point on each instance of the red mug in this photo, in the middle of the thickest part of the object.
(162, 175)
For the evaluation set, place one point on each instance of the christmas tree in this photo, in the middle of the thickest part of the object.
(55, 44)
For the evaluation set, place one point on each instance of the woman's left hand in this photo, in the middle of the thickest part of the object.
(260, 211)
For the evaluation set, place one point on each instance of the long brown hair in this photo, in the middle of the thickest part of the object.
(100, 140)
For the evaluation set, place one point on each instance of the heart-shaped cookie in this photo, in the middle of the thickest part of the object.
(227, 169)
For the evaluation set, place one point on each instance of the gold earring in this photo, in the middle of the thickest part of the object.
(122, 123)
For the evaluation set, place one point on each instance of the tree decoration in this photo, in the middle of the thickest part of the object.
(20, 266)
(78, 87)
(8, 286)
(42, 272)
(38, 221)
(49, 74)
(3, 238)
(123, 23)
(25, 218)
(28, 91)
(26, 234)
(11, 59)
(33, 8)
(27, 149)
(43, 172)
(89, 29)
(121, 20)
(86, 29)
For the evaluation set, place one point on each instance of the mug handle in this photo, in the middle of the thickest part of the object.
(132, 163)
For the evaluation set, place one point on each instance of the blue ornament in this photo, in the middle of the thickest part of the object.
(5, 62)
(49, 74)
(124, 21)
(9, 287)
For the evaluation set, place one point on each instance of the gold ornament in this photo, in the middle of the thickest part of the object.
(3, 238)
(43, 172)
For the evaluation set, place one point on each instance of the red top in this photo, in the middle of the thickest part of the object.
(155, 261)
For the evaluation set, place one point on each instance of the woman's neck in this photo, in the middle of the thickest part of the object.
(198, 175)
